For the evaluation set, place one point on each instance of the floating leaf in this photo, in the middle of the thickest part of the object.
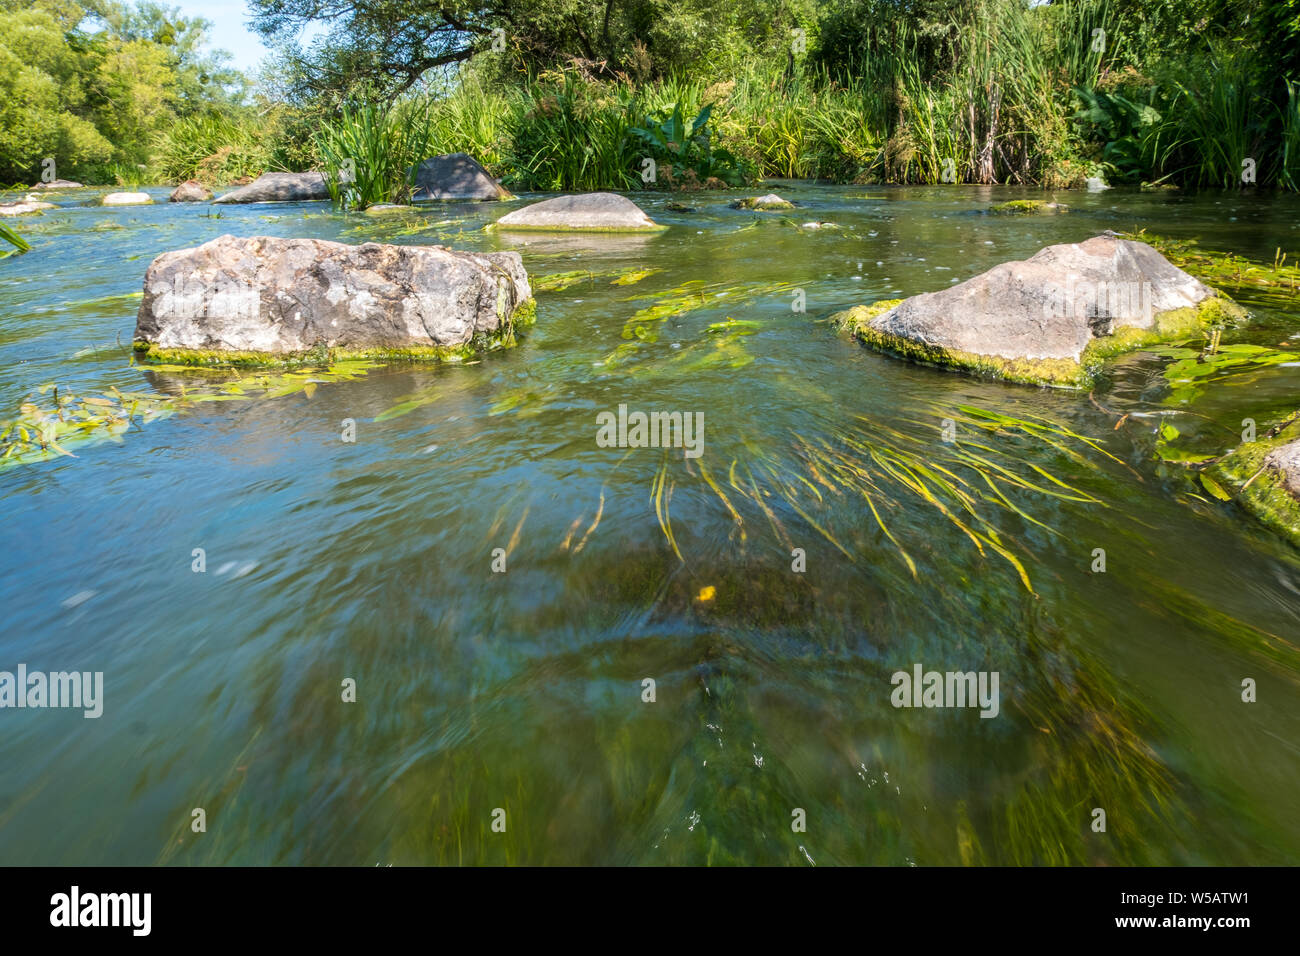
(1214, 488)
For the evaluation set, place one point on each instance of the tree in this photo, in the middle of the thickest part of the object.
(392, 44)
(93, 85)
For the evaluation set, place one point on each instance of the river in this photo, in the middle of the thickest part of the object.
(769, 602)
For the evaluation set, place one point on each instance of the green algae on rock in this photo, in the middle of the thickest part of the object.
(1024, 207)
(388, 209)
(293, 301)
(1264, 477)
(525, 314)
(763, 203)
(1050, 320)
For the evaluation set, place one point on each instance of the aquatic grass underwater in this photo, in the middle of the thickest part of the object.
(942, 520)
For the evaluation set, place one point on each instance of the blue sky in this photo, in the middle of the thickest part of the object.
(229, 31)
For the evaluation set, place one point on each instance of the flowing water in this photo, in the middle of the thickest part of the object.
(476, 690)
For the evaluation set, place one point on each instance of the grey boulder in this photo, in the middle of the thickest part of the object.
(455, 176)
(265, 299)
(190, 191)
(589, 212)
(59, 184)
(1049, 318)
(126, 199)
(280, 187)
(26, 207)
(387, 209)
(1286, 462)
(768, 202)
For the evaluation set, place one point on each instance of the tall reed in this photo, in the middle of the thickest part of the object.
(370, 151)
(1289, 174)
(213, 148)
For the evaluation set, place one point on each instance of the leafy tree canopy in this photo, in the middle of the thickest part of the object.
(91, 83)
(392, 44)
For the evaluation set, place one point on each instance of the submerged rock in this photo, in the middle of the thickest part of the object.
(260, 300)
(1024, 207)
(590, 212)
(1264, 477)
(190, 191)
(59, 184)
(455, 176)
(27, 207)
(126, 199)
(280, 187)
(770, 201)
(1050, 319)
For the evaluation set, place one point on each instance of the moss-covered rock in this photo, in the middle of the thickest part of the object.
(1264, 477)
(1026, 207)
(266, 300)
(388, 209)
(1051, 320)
(763, 203)
(525, 314)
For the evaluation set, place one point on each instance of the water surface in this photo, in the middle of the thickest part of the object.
(372, 561)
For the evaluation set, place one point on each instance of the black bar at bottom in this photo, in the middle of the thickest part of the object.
(338, 905)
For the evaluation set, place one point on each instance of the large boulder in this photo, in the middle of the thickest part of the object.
(588, 212)
(455, 176)
(1050, 319)
(59, 184)
(267, 300)
(190, 191)
(280, 187)
(126, 199)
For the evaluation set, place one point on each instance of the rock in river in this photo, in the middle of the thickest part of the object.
(260, 300)
(190, 191)
(388, 209)
(763, 203)
(1024, 207)
(59, 184)
(280, 187)
(1050, 319)
(1264, 477)
(27, 207)
(455, 176)
(126, 199)
(588, 212)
